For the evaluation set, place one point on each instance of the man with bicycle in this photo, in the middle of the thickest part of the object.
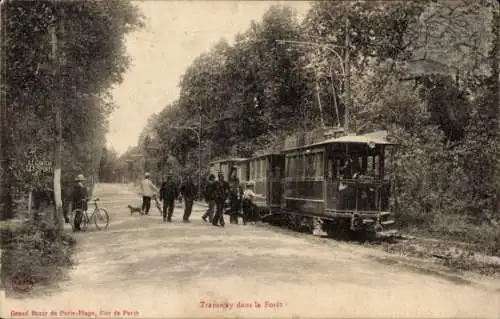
(79, 200)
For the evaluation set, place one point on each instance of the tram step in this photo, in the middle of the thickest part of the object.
(387, 222)
(385, 214)
(368, 221)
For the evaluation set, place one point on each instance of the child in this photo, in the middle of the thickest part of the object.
(247, 202)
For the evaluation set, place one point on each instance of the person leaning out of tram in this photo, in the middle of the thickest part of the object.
(347, 193)
(249, 207)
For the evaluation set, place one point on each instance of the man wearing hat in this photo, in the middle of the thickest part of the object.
(79, 199)
(148, 189)
(169, 192)
(221, 193)
(209, 198)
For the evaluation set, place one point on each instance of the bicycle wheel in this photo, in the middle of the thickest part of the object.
(101, 218)
(72, 216)
(85, 221)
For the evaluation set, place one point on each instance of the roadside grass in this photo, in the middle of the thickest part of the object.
(34, 254)
(451, 240)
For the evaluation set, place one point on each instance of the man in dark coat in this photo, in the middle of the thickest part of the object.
(209, 198)
(168, 194)
(235, 193)
(79, 200)
(221, 193)
(188, 191)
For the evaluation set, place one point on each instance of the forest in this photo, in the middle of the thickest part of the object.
(59, 60)
(425, 71)
(72, 74)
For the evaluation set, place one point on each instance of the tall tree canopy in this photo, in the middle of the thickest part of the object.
(91, 55)
(426, 71)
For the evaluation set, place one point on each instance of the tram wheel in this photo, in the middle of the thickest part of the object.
(337, 229)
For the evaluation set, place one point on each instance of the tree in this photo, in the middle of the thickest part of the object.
(91, 49)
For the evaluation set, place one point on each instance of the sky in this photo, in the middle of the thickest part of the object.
(176, 33)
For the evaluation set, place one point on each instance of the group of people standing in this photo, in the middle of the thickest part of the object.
(169, 192)
(218, 194)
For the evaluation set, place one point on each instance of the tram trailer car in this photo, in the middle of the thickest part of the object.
(225, 166)
(265, 171)
(341, 182)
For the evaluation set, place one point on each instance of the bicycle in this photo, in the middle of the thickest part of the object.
(98, 215)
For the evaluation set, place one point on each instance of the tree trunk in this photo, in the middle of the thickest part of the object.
(58, 218)
(495, 89)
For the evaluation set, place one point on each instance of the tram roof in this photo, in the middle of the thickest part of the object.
(377, 138)
(266, 154)
(230, 159)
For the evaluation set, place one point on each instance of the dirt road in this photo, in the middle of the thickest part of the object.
(143, 268)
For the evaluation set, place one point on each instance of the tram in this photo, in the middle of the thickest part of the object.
(343, 182)
(265, 173)
(226, 165)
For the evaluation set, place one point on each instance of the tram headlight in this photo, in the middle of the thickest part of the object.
(371, 145)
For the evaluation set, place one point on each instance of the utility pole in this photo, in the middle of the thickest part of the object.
(58, 87)
(344, 64)
(347, 80)
(197, 131)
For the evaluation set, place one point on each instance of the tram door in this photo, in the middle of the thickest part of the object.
(337, 187)
(276, 165)
(330, 180)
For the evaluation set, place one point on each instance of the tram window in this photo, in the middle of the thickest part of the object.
(330, 169)
(364, 165)
(309, 165)
(300, 165)
(319, 164)
(287, 167)
(295, 166)
(340, 163)
(264, 168)
(261, 169)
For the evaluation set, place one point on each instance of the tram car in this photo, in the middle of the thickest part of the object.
(341, 182)
(265, 173)
(227, 165)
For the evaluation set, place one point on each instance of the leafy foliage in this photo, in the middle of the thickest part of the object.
(34, 252)
(92, 58)
(426, 71)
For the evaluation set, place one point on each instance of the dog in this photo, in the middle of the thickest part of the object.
(134, 209)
